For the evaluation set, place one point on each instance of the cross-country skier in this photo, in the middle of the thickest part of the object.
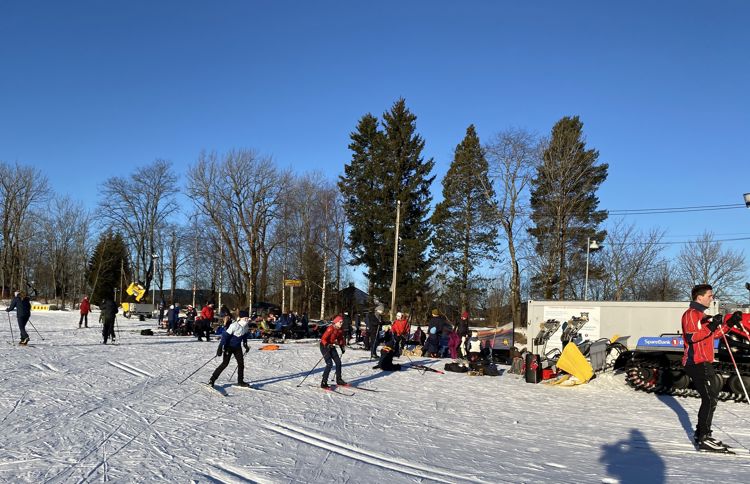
(22, 305)
(332, 336)
(85, 310)
(231, 345)
(699, 332)
(108, 309)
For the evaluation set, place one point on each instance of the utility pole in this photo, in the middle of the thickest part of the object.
(395, 261)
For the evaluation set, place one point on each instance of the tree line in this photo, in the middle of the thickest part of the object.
(514, 221)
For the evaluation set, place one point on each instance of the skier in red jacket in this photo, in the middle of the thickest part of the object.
(332, 336)
(203, 324)
(699, 332)
(85, 310)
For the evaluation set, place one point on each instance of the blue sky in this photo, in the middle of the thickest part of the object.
(90, 89)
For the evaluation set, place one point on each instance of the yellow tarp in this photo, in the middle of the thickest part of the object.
(572, 361)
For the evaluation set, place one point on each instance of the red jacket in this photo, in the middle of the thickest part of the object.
(400, 327)
(85, 306)
(207, 313)
(698, 339)
(332, 335)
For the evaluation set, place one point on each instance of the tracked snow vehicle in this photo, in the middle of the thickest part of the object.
(656, 364)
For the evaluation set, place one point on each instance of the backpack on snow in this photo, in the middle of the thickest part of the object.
(147, 332)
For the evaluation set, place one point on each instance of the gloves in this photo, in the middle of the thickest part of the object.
(343, 349)
(735, 319)
(716, 321)
(219, 351)
(247, 349)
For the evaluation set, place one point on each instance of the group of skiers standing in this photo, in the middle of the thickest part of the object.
(109, 311)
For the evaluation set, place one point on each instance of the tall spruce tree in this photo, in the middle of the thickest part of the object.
(565, 208)
(362, 187)
(108, 267)
(387, 166)
(465, 221)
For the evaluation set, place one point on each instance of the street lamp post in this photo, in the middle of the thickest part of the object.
(590, 245)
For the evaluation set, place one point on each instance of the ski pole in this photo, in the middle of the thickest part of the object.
(729, 350)
(37, 331)
(310, 372)
(10, 325)
(196, 371)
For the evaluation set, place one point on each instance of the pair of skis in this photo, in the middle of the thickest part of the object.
(337, 389)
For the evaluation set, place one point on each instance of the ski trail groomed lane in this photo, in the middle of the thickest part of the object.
(373, 458)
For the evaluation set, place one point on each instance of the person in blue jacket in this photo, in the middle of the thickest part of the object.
(230, 344)
(22, 305)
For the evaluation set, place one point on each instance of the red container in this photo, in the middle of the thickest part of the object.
(548, 373)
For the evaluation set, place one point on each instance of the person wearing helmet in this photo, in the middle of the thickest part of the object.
(332, 336)
(230, 344)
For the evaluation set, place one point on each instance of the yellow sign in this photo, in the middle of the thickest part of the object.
(292, 282)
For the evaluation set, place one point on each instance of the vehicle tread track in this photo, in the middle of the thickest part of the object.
(369, 457)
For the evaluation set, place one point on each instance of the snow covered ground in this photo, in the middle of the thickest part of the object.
(74, 410)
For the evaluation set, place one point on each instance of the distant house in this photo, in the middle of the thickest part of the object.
(353, 300)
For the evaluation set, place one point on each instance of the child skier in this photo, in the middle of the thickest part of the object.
(230, 344)
(333, 336)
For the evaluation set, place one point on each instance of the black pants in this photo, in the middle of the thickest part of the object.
(84, 318)
(108, 329)
(330, 355)
(373, 333)
(203, 328)
(703, 376)
(22, 327)
(228, 352)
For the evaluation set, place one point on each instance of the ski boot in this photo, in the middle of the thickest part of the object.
(324, 386)
(341, 383)
(243, 384)
(211, 382)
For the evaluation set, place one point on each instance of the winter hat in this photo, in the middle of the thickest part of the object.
(435, 312)
(399, 315)
(338, 319)
(465, 315)
(244, 314)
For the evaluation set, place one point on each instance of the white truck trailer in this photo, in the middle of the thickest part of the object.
(607, 319)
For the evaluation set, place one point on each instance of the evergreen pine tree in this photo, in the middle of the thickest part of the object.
(564, 207)
(104, 268)
(465, 229)
(387, 166)
(407, 178)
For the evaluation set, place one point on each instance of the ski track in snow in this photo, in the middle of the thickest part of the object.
(370, 457)
(129, 369)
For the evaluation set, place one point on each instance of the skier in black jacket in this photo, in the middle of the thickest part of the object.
(108, 309)
(22, 305)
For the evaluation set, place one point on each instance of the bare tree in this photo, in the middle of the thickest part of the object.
(512, 156)
(139, 206)
(239, 195)
(705, 261)
(627, 260)
(23, 189)
(65, 224)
